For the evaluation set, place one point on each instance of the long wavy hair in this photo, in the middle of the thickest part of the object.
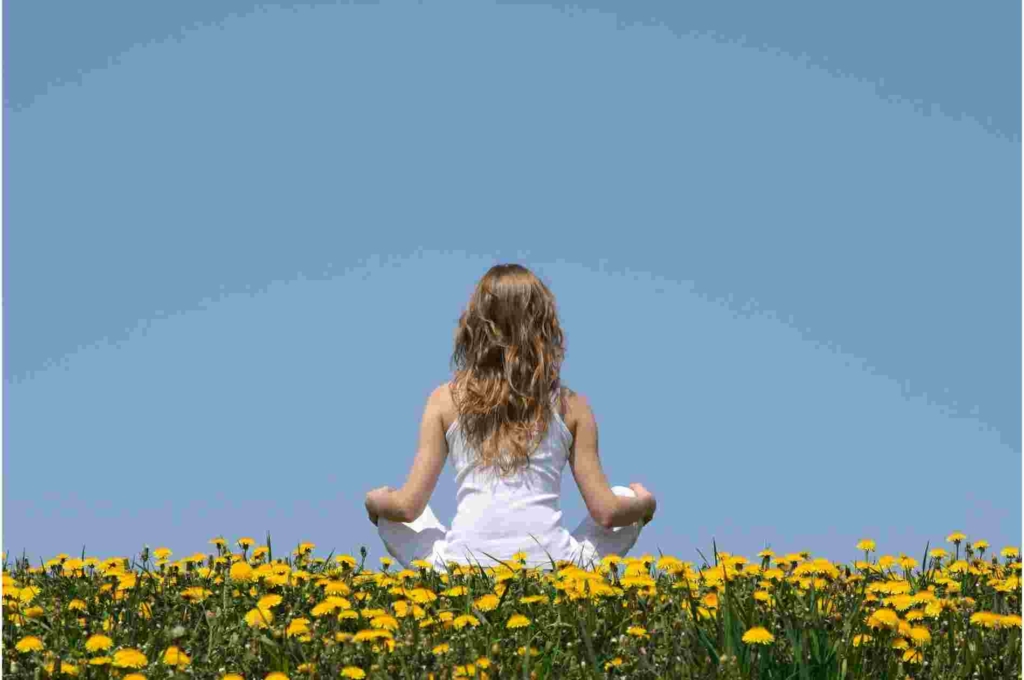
(508, 356)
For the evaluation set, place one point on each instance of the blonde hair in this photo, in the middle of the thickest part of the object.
(508, 355)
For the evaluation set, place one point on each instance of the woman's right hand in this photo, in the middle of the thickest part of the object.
(648, 498)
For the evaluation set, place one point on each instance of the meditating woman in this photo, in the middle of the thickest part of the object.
(508, 426)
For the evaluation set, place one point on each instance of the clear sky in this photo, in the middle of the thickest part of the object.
(785, 249)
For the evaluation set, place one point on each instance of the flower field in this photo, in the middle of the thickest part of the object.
(239, 612)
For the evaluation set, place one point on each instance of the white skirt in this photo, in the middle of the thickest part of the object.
(425, 539)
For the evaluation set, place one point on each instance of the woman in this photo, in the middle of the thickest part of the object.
(509, 427)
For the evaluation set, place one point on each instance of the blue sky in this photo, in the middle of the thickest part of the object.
(786, 259)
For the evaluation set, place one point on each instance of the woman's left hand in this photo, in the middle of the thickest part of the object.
(374, 500)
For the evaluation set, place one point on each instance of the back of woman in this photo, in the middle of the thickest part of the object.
(508, 442)
(519, 514)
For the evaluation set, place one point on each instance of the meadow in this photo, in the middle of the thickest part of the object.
(240, 612)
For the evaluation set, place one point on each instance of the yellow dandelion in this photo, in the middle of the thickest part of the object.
(487, 602)
(913, 656)
(100, 661)
(758, 635)
(245, 543)
(297, 627)
(372, 634)
(986, 619)
(1009, 552)
(232, 676)
(29, 643)
(241, 571)
(384, 621)
(956, 537)
(442, 648)
(1009, 620)
(353, 672)
(259, 618)
(865, 544)
(466, 619)
(884, 617)
(98, 643)
(129, 658)
(276, 676)
(637, 631)
(858, 640)
(517, 621)
(920, 635)
(175, 657)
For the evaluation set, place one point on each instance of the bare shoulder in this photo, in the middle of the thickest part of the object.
(445, 397)
(575, 406)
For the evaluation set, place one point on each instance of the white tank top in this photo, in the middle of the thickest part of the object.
(497, 516)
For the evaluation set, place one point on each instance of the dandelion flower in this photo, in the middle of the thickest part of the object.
(232, 676)
(29, 644)
(913, 656)
(384, 621)
(986, 619)
(297, 627)
(1009, 552)
(758, 635)
(442, 648)
(920, 635)
(276, 676)
(259, 618)
(884, 617)
(866, 544)
(129, 658)
(98, 643)
(371, 634)
(517, 621)
(241, 571)
(956, 537)
(487, 602)
(637, 631)
(464, 620)
(175, 657)
(353, 672)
